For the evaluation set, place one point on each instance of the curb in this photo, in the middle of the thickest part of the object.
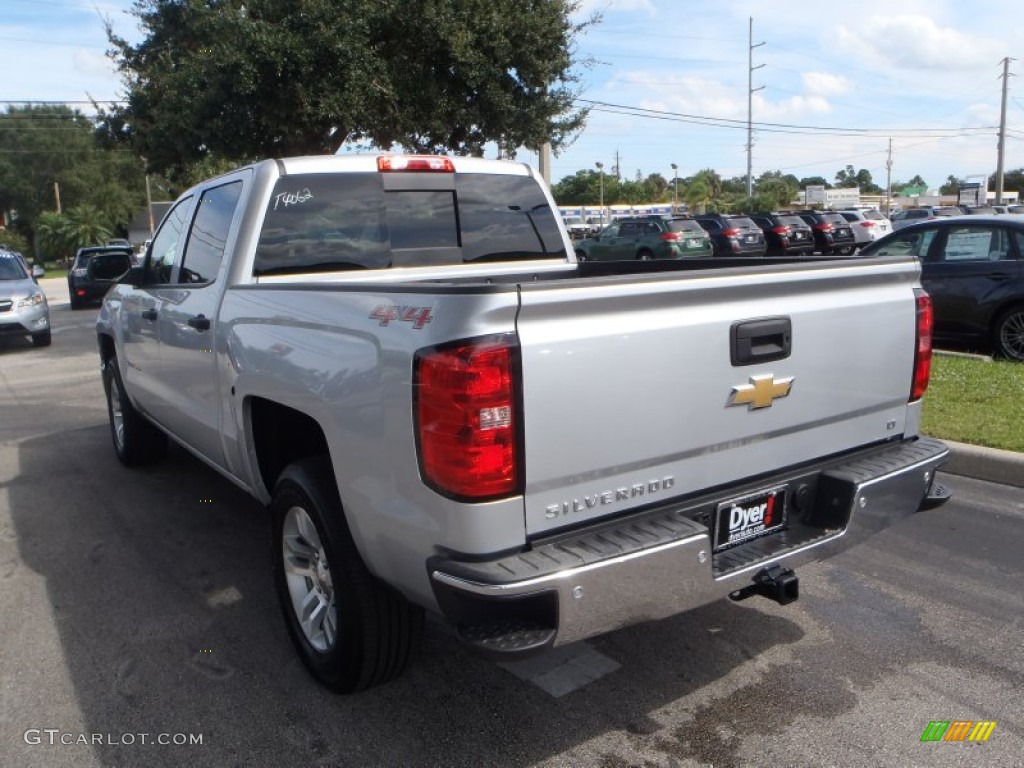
(991, 464)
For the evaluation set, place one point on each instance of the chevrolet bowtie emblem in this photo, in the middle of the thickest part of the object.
(761, 391)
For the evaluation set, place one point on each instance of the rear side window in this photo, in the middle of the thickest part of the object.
(204, 250)
(319, 222)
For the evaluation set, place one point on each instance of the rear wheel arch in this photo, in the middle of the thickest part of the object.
(1008, 332)
(280, 436)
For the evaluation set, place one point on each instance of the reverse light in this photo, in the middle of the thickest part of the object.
(923, 347)
(467, 418)
(430, 163)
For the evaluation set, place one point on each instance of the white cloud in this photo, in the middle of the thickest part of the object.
(916, 42)
(825, 84)
(93, 63)
(616, 6)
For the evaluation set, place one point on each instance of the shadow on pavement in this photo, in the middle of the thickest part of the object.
(160, 590)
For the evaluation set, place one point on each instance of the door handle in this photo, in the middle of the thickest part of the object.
(200, 322)
(149, 314)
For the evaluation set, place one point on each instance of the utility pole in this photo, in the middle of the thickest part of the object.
(544, 161)
(1002, 136)
(56, 195)
(888, 180)
(600, 168)
(750, 107)
(618, 166)
(675, 187)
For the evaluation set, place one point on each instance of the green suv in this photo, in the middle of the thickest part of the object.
(652, 237)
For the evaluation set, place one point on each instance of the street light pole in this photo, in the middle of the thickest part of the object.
(675, 188)
(600, 167)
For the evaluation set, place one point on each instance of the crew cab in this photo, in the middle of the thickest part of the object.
(445, 412)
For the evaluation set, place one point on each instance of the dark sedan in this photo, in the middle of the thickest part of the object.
(973, 267)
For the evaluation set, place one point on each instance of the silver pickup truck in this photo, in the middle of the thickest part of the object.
(445, 412)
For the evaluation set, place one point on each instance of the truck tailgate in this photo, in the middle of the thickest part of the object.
(628, 383)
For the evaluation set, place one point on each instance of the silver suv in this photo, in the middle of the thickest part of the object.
(867, 225)
(23, 307)
(902, 218)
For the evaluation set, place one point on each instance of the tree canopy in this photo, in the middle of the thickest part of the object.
(241, 79)
(53, 145)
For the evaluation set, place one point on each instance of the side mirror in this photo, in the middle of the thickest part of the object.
(37, 272)
(134, 277)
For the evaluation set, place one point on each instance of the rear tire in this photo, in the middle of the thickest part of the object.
(351, 630)
(136, 441)
(645, 255)
(581, 256)
(1008, 336)
(42, 339)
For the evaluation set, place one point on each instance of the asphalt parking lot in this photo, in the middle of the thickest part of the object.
(140, 603)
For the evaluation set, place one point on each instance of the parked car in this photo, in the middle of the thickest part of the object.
(733, 235)
(1001, 208)
(832, 233)
(867, 225)
(785, 235)
(907, 216)
(987, 210)
(973, 268)
(576, 226)
(35, 270)
(23, 307)
(648, 237)
(94, 270)
(1015, 208)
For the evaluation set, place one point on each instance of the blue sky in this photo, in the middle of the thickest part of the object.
(838, 81)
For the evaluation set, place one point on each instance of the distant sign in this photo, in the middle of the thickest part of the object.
(814, 193)
(970, 193)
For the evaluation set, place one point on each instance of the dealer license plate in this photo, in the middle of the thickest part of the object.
(749, 516)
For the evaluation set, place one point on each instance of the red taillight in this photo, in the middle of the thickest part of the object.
(467, 418)
(671, 236)
(781, 230)
(923, 350)
(867, 224)
(823, 227)
(415, 163)
(731, 232)
(80, 292)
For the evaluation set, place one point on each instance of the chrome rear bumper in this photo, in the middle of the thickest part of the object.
(661, 562)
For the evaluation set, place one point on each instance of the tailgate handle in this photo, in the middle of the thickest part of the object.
(760, 341)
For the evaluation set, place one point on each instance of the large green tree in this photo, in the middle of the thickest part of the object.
(240, 79)
(50, 153)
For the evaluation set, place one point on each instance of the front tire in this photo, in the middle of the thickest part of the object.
(42, 339)
(1008, 337)
(136, 441)
(351, 630)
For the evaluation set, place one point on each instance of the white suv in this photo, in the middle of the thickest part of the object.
(867, 225)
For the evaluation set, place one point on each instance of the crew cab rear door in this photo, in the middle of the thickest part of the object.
(630, 383)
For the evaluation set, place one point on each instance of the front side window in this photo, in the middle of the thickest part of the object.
(204, 249)
(975, 244)
(165, 248)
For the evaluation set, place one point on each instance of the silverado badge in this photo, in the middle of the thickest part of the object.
(761, 391)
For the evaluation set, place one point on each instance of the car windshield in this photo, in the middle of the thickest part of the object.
(10, 267)
(684, 225)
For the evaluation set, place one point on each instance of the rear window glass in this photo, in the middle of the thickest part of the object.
(684, 225)
(873, 215)
(835, 218)
(742, 222)
(319, 222)
(792, 221)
